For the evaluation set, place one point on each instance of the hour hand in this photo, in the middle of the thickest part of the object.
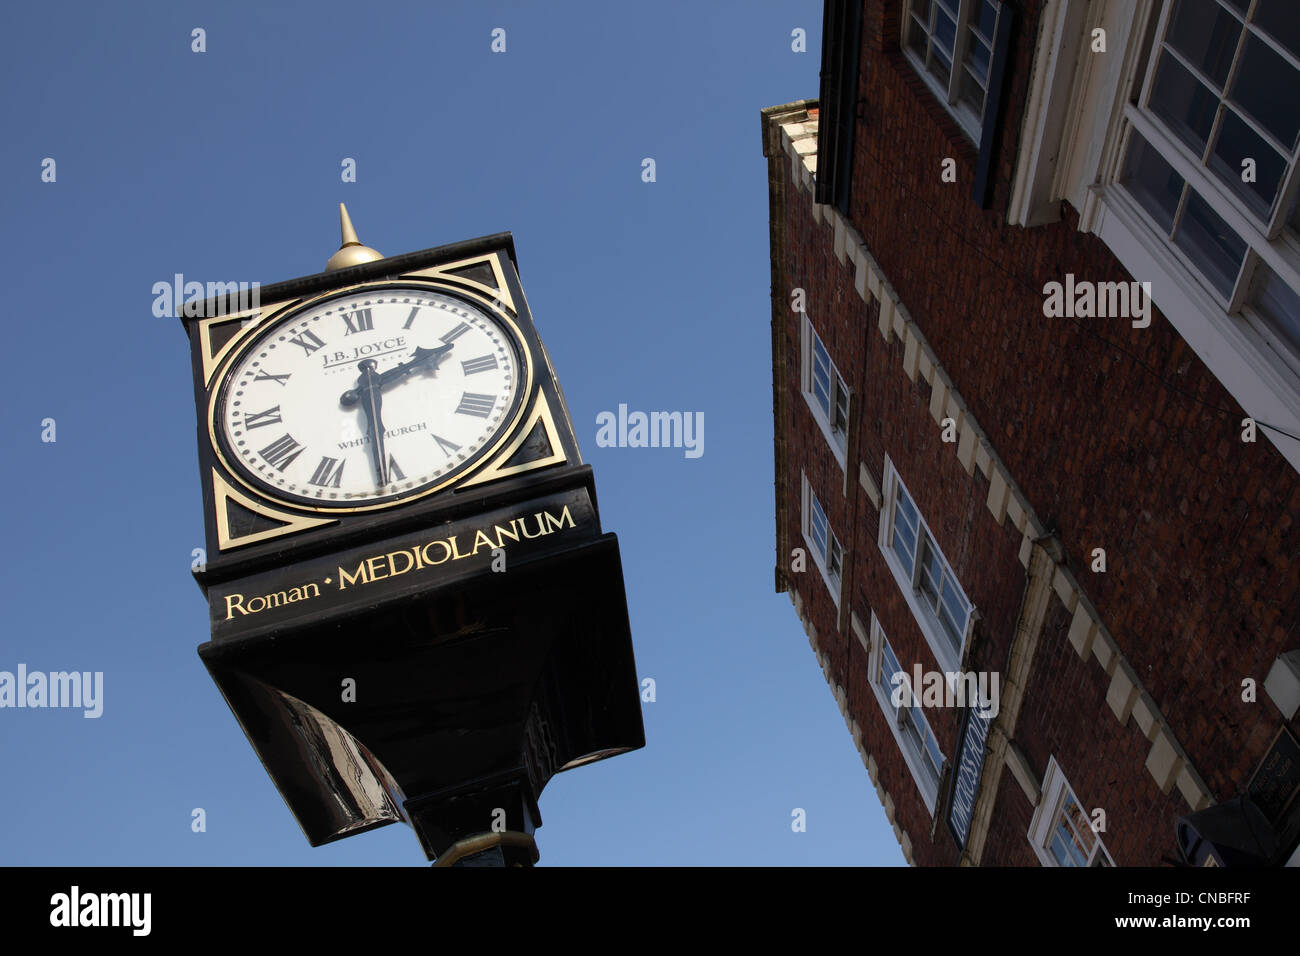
(423, 358)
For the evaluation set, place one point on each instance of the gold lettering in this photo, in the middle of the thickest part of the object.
(276, 599)
(370, 565)
(485, 539)
(410, 562)
(311, 590)
(502, 532)
(233, 602)
(353, 578)
(260, 608)
(555, 524)
(541, 530)
(424, 553)
(455, 552)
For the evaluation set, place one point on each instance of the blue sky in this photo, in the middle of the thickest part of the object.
(225, 165)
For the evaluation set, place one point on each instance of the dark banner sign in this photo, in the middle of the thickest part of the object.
(966, 776)
(413, 563)
(1277, 780)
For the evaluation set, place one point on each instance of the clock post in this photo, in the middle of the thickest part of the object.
(415, 614)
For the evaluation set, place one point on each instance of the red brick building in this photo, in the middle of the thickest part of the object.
(1067, 513)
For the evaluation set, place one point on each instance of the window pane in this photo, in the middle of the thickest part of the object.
(988, 18)
(950, 6)
(1213, 247)
(1185, 103)
(821, 376)
(1279, 20)
(833, 565)
(977, 56)
(818, 524)
(1237, 142)
(951, 627)
(1078, 823)
(971, 93)
(917, 39)
(905, 545)
(1206, 34)
(940, 65)
(906, 510)
(1152, 181)
(945, 31)
(821, 358)
(1265, 86)
(888, 668)
(936, 755)
(931, 571)
(1066, 851)
(953, 602)
(1279, 305)
(841, 421)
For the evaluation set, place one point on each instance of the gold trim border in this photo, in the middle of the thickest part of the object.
(231, 357)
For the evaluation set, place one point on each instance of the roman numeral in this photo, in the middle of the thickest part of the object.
(308, 340)
(257, 419)
(328, 473)
(264, 377)
(411, 318)
(394, 473)
(456, 333)
(480, 364)
(447, 446)
(480, 406)
(358, 321)
(281, 452)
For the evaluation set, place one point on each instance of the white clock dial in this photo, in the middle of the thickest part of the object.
(369, 396)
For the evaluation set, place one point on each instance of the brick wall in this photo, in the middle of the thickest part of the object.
(1203, 580)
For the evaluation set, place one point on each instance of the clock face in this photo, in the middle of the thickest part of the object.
(369, 397)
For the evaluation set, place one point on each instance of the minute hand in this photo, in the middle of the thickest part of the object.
(368, 391)
(430, 357)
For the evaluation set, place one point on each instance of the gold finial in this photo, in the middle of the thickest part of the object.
(352, 252)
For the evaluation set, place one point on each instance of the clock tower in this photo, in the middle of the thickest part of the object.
(415, 615)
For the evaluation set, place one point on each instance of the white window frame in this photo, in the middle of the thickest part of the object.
(1074, 139)
(836, 434)
(1056, 796)
(949, 95)
(909, 581)
(924, 775)
(1267, 242)
(825, 560)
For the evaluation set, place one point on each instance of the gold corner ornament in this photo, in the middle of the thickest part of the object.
(498, 469)
(351, 252)
(223, 493)
(498, 295)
